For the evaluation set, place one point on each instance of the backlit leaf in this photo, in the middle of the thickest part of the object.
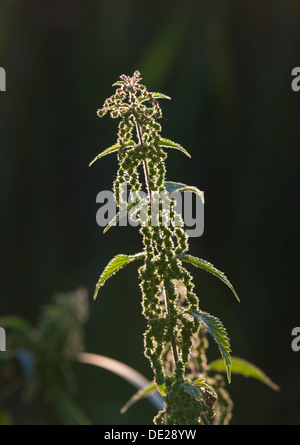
(203, 264)
(154, 95)
(113, 266)
(179, 187)
(110, 150)
(170, 144)
(245, 368)
(218, 332)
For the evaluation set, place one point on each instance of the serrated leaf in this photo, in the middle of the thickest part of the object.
(113, 266)
(110, 150)
(218, 332)
(129, 208)
(194, 391)
(245, 368)
(201, 391)
(118, 83)
(179, 187)
(170, 144)
(203, 264)
(160, 96)
(155, 95)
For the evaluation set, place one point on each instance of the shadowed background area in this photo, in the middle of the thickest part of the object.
(227, 67)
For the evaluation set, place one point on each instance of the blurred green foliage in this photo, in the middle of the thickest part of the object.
(227, 67)
(38, 362)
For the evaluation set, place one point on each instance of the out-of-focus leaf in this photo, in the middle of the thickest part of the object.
(5, 418)
(126, 372)
(27, 361)
(165, 46)
(68, 411)
(16, 323)
(245, 368)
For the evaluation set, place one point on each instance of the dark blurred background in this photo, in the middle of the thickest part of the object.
(227, 66)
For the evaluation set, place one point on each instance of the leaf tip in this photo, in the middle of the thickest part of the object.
(228, 374)
(236, 296)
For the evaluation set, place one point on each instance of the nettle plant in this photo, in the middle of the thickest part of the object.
(175, 341)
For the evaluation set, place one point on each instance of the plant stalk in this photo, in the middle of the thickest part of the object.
(146, 171)
(173, 341)
(140, 136)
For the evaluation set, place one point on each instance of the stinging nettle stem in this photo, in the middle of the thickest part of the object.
(173, 341)
(140, 136)
(146, 171)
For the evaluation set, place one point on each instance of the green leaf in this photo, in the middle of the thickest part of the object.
(155, 96)
(192, 390)
(134, 206)
(161, 96)
(170, 144)
(217, 330)
(245, 368)
(179, 187)
(141, 394)
(148, 390)
(110, 150)
(201, 383)
(16, 323)
(209, 268)
(113, 266)
(5, 418)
